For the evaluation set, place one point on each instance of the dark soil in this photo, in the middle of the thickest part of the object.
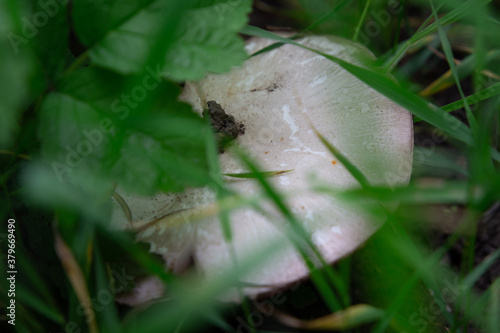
(223, 124)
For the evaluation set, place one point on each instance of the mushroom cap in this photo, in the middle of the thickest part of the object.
(280, 96)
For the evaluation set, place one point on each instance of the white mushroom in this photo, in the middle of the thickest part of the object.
(280, 96)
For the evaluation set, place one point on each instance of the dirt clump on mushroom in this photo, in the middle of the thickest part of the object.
(224, 125)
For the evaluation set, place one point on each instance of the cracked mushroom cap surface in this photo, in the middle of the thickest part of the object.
(280, 96)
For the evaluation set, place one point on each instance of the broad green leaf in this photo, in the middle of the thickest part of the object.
(75, 140)
(32, 55)
(80, 191)
(50, 43)
(124, 36)
(147, 165)
(15, 66)
(208, 40)
(96, 135)
(195, 37)
(107, 16)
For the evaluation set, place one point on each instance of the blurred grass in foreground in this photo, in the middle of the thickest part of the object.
(421, 272)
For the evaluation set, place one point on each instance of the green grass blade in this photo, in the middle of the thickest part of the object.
(315, 24)
(436, 158)
(349, 318)
(466, 67)
(457, 14)
(387, 87)
(494, 307)
(214, 316)
(361, 20)
(403, 48)
(354, 171)
(481, 95)
(451, 62)
(123, 205)
(38, 283)
(260, 174)
(340, 4)
(425, 265)
(108, 314)
(298, 236)
(166, 316)
(36, 303)
(478, 271)
(269, 48)
(449, 193)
